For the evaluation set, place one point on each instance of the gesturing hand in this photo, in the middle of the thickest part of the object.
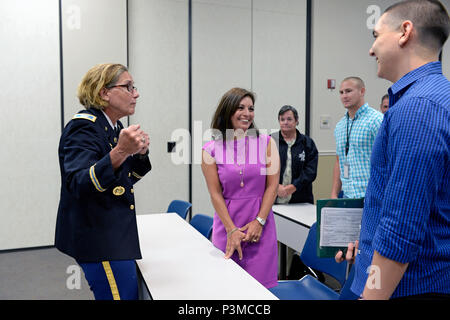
(146, 141)
(133, 140)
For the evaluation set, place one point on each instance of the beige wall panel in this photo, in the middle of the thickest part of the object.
(322, 184)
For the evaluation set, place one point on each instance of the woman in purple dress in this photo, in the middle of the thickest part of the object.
(241, 168)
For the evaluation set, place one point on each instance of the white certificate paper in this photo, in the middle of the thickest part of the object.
(339, 226)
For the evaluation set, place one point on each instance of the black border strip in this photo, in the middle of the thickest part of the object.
(308, 67)
(190, 101)
(61, 65)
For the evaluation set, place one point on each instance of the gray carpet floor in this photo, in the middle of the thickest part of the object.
(47, 274)
(41, 274)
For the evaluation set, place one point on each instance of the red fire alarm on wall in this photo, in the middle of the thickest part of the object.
(331, 84)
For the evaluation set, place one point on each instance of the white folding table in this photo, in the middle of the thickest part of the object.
(293, 222)
(179, 263)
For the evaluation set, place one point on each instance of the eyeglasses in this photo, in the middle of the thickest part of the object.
(130, 88)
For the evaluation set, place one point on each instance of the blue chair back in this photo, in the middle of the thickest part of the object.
(327, 265)
(203, 224)
(307, 288)
(180, 207)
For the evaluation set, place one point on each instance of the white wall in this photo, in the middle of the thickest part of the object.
(221, 60)
(93, 32)
(31, 126)
(258, 45)
(340, 50)
(446, 51)
(446, 58)
(279, 59)
(31, 91)
(159, 65)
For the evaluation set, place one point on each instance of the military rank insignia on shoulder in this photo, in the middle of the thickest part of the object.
(85, 116)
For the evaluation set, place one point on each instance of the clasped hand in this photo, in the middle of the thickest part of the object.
(285, 191)
(251, 232)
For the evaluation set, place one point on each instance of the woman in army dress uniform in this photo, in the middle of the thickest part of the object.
(100, 161)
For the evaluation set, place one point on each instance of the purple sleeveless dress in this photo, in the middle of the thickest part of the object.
(260, 259)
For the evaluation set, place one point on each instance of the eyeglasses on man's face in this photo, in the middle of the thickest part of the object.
(129, 86)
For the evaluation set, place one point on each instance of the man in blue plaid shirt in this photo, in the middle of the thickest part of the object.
(354, 135)
(405, 229)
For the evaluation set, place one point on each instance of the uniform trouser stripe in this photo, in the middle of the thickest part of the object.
(111, 280)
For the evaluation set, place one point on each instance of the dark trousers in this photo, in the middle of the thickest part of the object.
(112, 280)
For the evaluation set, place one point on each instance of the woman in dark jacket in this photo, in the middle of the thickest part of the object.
(100, 162)
(298, 159)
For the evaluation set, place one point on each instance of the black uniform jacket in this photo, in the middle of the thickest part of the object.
(304, 156)
(96, 216)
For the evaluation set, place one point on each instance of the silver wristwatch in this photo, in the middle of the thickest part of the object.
(261, 221)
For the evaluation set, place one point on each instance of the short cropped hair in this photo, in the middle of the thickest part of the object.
(358, 81)
(98, 77)
(429, 17)
(386, 96)
(287, 108)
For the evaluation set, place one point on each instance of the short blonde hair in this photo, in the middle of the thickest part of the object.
(98, 77)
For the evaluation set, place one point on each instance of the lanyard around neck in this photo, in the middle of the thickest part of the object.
(347, 144)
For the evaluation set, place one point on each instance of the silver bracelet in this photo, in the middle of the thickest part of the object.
(231, 232)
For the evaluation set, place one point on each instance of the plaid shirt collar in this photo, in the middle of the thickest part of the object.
(363, 109)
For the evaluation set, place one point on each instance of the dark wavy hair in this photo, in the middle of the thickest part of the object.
(226, 109)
